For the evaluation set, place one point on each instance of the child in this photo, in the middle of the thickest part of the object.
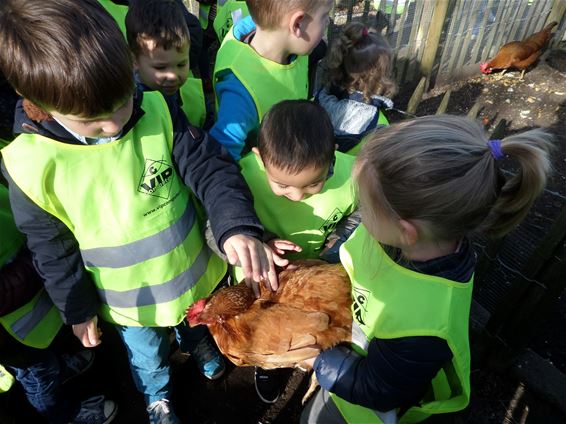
(257, 67)
(159, 39)
(29, 324)
(301, 187)
(356, 77)
(101, 182)
(425, 186)
(302, 190)
(222, 15)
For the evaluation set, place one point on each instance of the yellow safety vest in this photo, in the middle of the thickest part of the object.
(390, 301)
(194, 105)
(267, 82)
(133, 217)
(226, 10)
(307, 222)
(37, 322)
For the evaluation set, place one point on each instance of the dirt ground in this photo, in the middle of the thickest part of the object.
(539, 100)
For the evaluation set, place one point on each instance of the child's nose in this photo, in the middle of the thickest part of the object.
(112, 127)
(297, 195)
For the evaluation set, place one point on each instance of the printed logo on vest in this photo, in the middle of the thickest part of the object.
(156, 179)
(331, 222)
(360, 304)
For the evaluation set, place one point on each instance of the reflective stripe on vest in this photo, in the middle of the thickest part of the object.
(132, 215)
(267, 82)
(37, 322)
(34, 324)
(203, 12)
(193, 101)
(141, 250)
(391, 301)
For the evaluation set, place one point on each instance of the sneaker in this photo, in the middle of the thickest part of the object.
(160, 413)
(267, 384)
(96, 410)
(209, 360)
(75, 365)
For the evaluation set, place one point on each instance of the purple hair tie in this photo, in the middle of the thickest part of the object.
(495, 148)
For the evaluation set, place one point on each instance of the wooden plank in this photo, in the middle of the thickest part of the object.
(531, 22)
(467, 37)
(412, 50)
(417, 96)
(502, 33)
(392, 18)
(448, 45)
(516, 33)
(433, 37)
(482, 31)
(443, 106)
(487, 50)
(457, 39)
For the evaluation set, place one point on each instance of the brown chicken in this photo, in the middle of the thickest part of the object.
(519, 54)
(310, 311)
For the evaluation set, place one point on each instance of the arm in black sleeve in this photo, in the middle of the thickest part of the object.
(215, 178)
(395, 373)
(56, 257)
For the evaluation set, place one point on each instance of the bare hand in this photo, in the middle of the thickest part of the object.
(310, 361)
(280, 246)
(88, 332)
(256, 260)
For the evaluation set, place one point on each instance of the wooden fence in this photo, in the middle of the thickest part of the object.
(446, 39)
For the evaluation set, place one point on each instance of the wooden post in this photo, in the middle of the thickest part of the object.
(558, 10)
(417, 96)
(444, 103)
(433, 37)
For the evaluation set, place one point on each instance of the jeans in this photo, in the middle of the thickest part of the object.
(38, 371)
(148, 351)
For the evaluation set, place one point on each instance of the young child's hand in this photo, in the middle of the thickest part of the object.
(256, 260)
(88, 332)
(280, 246)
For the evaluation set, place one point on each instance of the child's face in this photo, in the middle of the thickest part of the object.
(298, 186)
(313, 26)
(163, 70)
(107, 125)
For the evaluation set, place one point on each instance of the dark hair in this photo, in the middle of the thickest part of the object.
(296, 134)
(65, 55)
(161, 21)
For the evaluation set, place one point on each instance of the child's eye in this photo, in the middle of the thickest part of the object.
(182, 65)
(281, 186)
(159, 68)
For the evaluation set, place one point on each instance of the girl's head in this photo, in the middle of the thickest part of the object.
(440, 174)
(360, 60)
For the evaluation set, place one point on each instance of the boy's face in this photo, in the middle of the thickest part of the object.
(163, 70)
(313, 26)
(296, 187)
(107, 125)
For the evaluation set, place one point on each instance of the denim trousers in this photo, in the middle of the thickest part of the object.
(38, 371)
(148, 351)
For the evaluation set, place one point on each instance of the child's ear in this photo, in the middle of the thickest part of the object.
(296, 23)
(409, 232)
(256, 152)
